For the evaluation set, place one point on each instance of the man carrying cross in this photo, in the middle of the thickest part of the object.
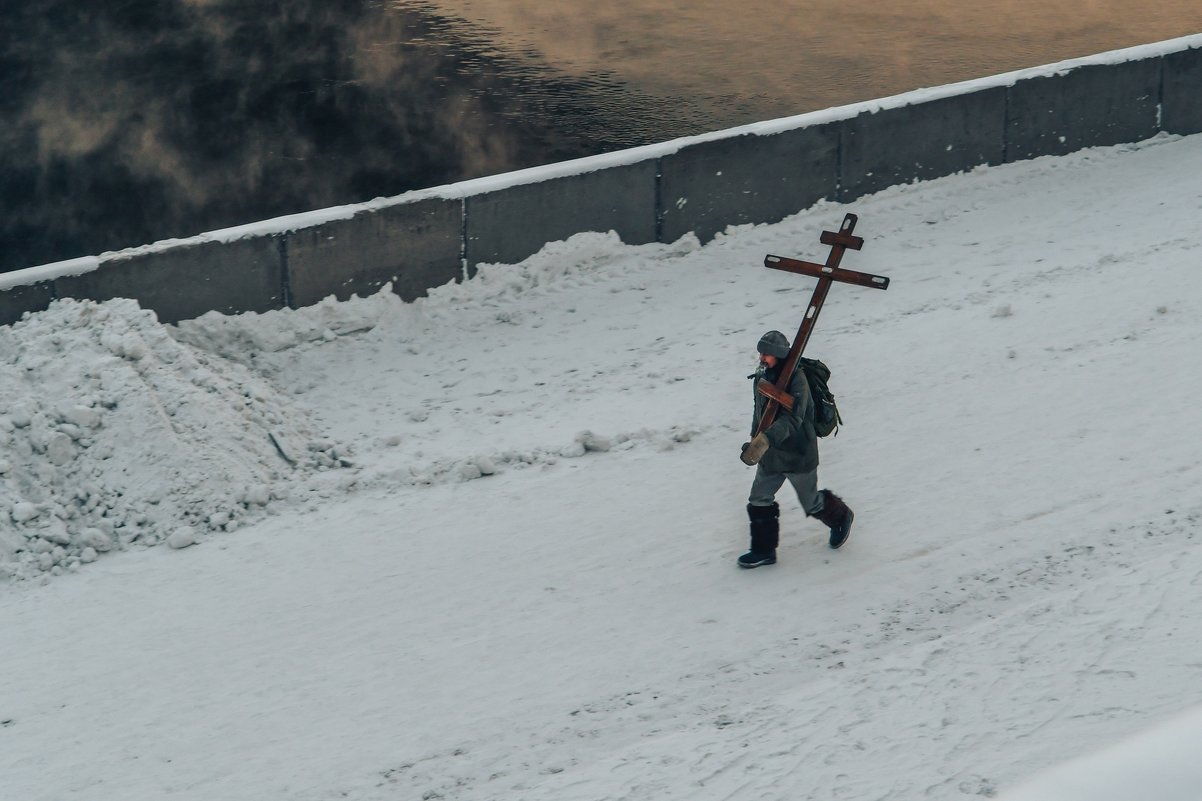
(784, 445)
(785, 450)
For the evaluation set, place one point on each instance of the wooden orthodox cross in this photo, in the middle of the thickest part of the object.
(778, 393)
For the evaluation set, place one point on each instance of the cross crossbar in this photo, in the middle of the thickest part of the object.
(822, 271)
(778, 393)
(842, 237)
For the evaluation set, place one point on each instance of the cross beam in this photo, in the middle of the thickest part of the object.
(827, 274)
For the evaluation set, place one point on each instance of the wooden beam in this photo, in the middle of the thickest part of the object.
(770, 390)
(840, 238)
(822, 271)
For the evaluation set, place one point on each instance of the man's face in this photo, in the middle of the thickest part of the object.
(768, 360)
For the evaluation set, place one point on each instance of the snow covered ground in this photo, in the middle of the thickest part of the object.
(481, 546)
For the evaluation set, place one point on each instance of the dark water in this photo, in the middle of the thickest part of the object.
(129, 121)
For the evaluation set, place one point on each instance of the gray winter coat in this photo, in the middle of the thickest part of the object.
(793, 446)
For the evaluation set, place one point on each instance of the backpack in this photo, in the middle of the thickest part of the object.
(826, 413)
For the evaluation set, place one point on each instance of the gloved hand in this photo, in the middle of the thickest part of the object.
(754, 451)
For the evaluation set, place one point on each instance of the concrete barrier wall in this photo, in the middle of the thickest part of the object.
(755, 174)
(416, 246)
(1087, 107)
(185, 282)
(746, 179)
(507, 225)
(923, 141)
(15, 302)
(1182, 92)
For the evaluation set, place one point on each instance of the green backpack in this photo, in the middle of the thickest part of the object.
(826, 413)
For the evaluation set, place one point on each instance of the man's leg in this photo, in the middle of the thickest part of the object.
(826, 506)
(835, 514)
(764, 515)
(764, 487)
(806, 487)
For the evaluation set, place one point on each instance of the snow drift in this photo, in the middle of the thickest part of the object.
(115, 434)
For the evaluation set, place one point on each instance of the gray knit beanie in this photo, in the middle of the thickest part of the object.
(774, 343)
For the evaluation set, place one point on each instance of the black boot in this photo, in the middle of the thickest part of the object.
(765, 536)
(836, 516)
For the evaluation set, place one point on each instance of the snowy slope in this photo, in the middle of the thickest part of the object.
(1160, 763)
(497, 561)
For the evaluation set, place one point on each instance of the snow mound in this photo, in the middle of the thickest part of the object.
(245, 338)
(436, 394)
(451, 311)
(115, 434)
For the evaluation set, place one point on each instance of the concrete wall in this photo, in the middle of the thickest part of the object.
(416, 246)
(924, 141)
(1086, 107)
(1182, 92)
(757, 174)
(507, 225)
(17, 301)
(746, 179)
(185, 282)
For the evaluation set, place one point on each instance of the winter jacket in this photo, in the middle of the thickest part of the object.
(793, 446)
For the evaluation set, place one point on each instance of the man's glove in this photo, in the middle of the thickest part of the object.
(754, 451)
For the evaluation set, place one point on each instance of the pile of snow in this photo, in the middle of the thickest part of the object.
(489, 375)
(119, 431)
(113, 434)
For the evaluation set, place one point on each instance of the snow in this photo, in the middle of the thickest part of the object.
(113, 433)
(482, 545)
(1161, 764)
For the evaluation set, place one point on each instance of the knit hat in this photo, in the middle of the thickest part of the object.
(774, 343)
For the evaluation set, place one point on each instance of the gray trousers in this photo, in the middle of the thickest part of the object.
(765, 485)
